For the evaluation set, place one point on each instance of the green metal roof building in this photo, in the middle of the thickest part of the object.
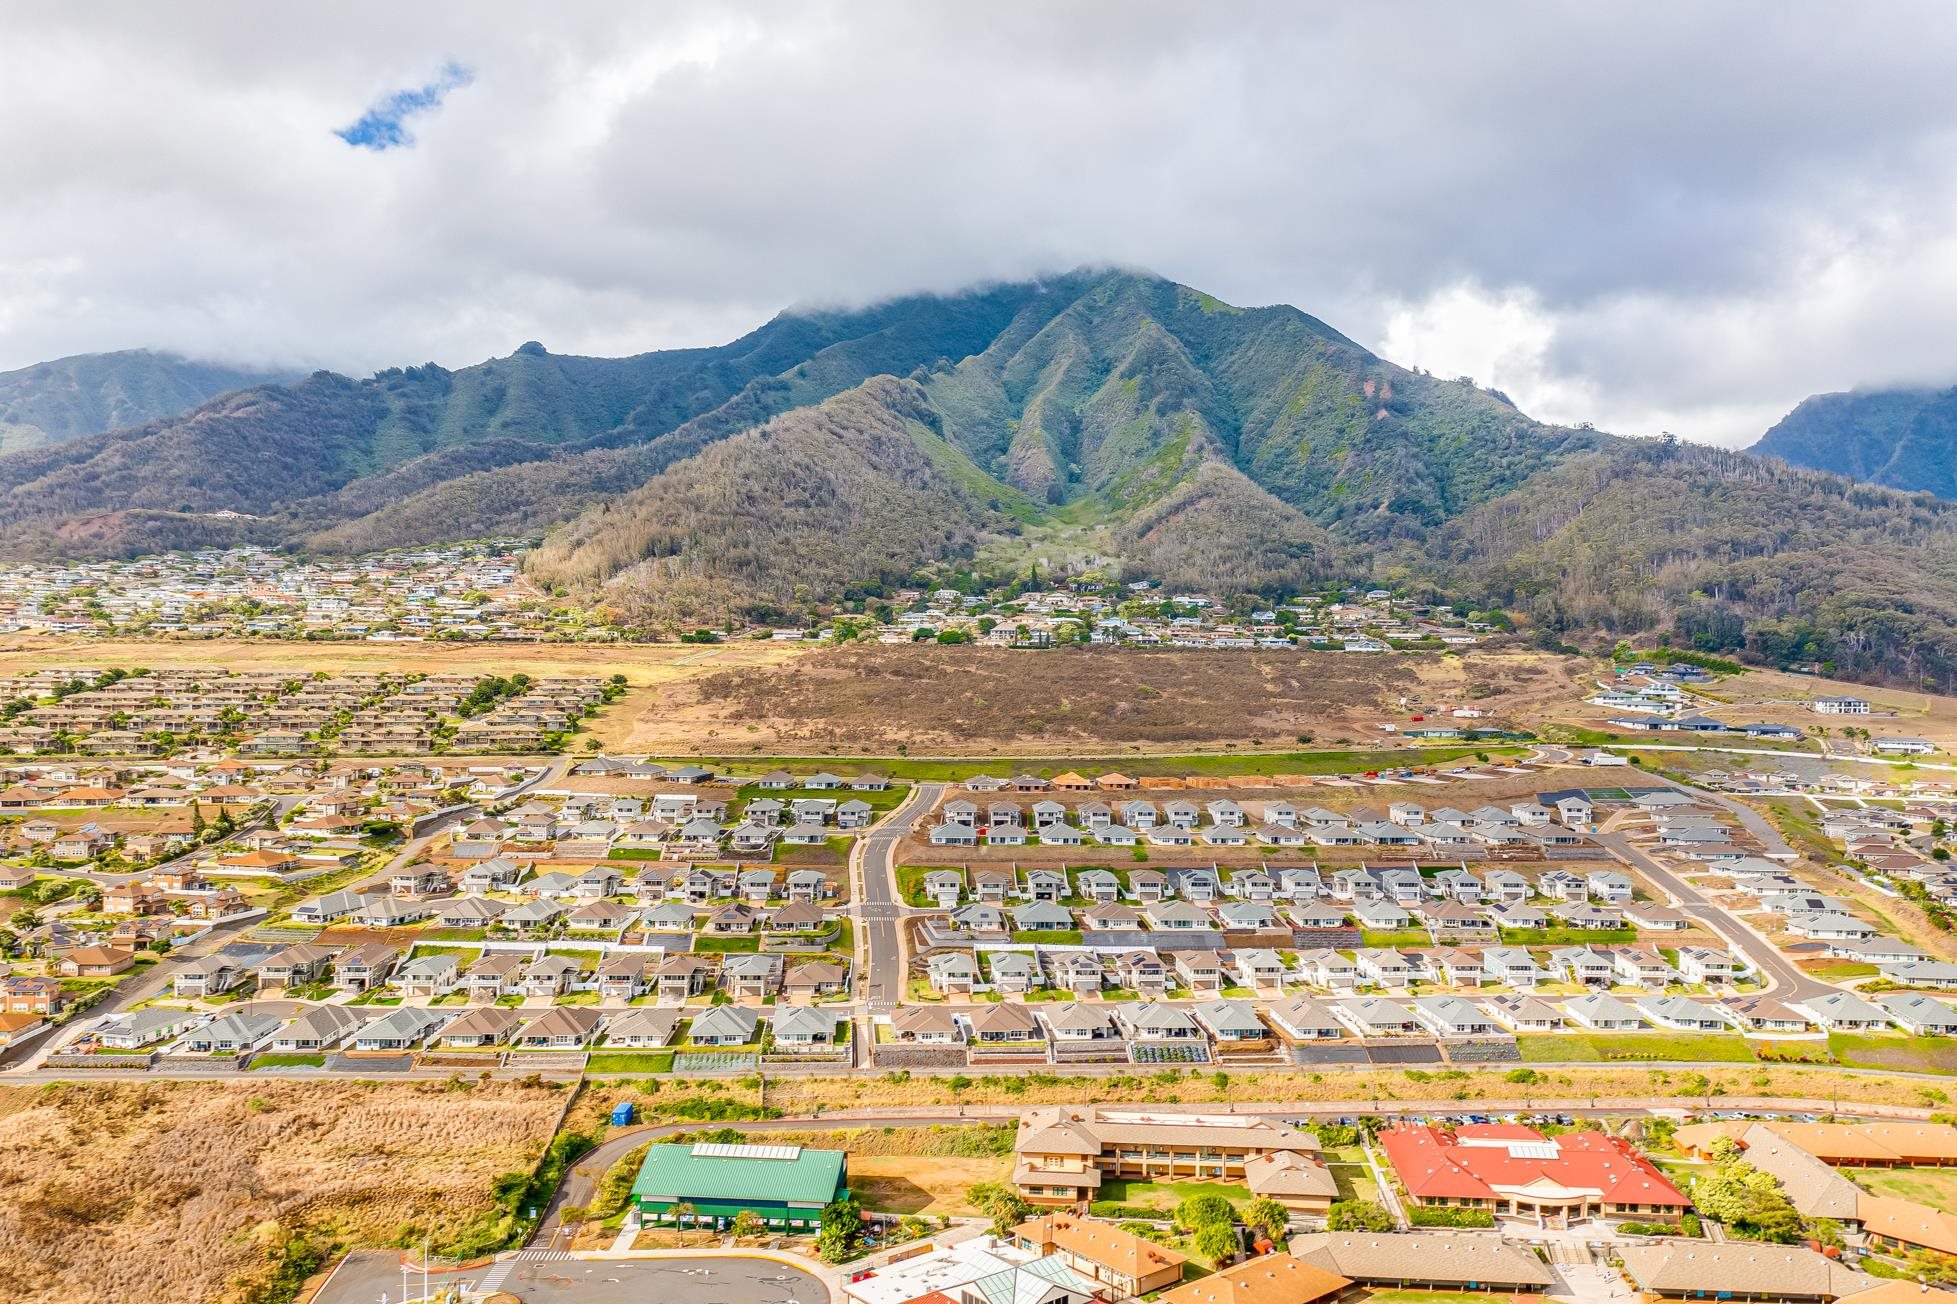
(787, 1185)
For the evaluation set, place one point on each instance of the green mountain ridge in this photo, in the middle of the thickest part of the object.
(1901, 438)
(50, 402)
(1106, 415)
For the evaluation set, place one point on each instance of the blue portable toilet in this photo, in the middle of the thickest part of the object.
(623, 1113)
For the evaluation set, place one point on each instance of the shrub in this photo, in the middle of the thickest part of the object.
(1451, 1217)
(1358, 1216)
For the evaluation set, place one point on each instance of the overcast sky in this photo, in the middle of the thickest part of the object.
(1661, 217)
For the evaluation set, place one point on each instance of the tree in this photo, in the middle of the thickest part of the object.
(749, 1223)
(683, 1212)
(1749, 1201)
(1199, 1211)
(999, 1202)
(1269, 1217)
(1217, 1242)
(841, 1231)
(1358, 1216)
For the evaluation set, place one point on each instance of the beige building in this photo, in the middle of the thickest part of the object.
(1062, 1153)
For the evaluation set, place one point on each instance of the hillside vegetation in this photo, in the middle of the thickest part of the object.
(1902, 438)
(832, 455)
(54, 401)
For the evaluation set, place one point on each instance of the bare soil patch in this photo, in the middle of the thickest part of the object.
(934, 700)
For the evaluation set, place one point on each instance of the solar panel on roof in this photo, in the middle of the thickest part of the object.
(1533, 1150)
(716, 1150)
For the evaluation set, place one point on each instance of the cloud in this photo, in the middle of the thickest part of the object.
(1668, 217)
(385, 126)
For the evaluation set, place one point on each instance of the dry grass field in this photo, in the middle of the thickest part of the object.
(1605, 1083)
(933, 1184)
(1782, 698)
(964, 701)
(648, 669)
(191, 1191)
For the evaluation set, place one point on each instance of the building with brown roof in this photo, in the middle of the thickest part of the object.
(1442, 1260)
(1740, 1270)
(1103, 1252)
(96, 962)
(1062, 1152)
(1270, 1279)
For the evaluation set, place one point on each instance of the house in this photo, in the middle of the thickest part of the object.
(320, 1028)
(1919, 1015)
(751, 975)
(1520, 1013)
(430, 975)
(646, 1027)
(548, 977)
(816, 978)
(1372, 1016)
(724, 1025)
(1303, 1019)
(1601, 1013)
(140, 1028)
(926, 1025)
(402, 1028)
(234, 1034)
(1450, 1016)
(484, 1026)
(678, 977)
(562, 1027)
(1765, 1014)
(1682, 1013)
(1842, 1012)
(209, 975)
(95, 962)
(803, 1027)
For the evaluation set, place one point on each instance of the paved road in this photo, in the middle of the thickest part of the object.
(879, 910)
(371, 1276)
(1785, 981)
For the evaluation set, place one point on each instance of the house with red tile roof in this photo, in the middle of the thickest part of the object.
(1512, 1170)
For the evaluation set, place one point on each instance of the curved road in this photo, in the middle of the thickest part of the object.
(879, 910)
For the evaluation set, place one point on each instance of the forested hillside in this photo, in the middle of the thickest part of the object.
(1903, 438)
(92, 392)
(1243, 450)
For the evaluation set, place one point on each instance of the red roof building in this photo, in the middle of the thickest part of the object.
(1515, 1170)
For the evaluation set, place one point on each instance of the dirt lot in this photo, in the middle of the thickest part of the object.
(933, 1184)
(189, 1191)
(966, 701)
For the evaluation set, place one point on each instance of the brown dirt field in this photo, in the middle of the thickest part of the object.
(933, 1184)
(966, 701)
(188, 1190)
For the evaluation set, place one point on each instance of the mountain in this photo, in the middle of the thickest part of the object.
(1902, 438)
(1100, 417)
(53, 401)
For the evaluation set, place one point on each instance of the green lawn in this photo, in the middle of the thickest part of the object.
(1047, 936)
(298, 1061)
(1663, 1046)
(1895, 1051)
(1936, 1187)
(710, 943)
(910, 883)
(1567, 936)
(627, 1061)
(1166, 1195)
(1394, 937)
